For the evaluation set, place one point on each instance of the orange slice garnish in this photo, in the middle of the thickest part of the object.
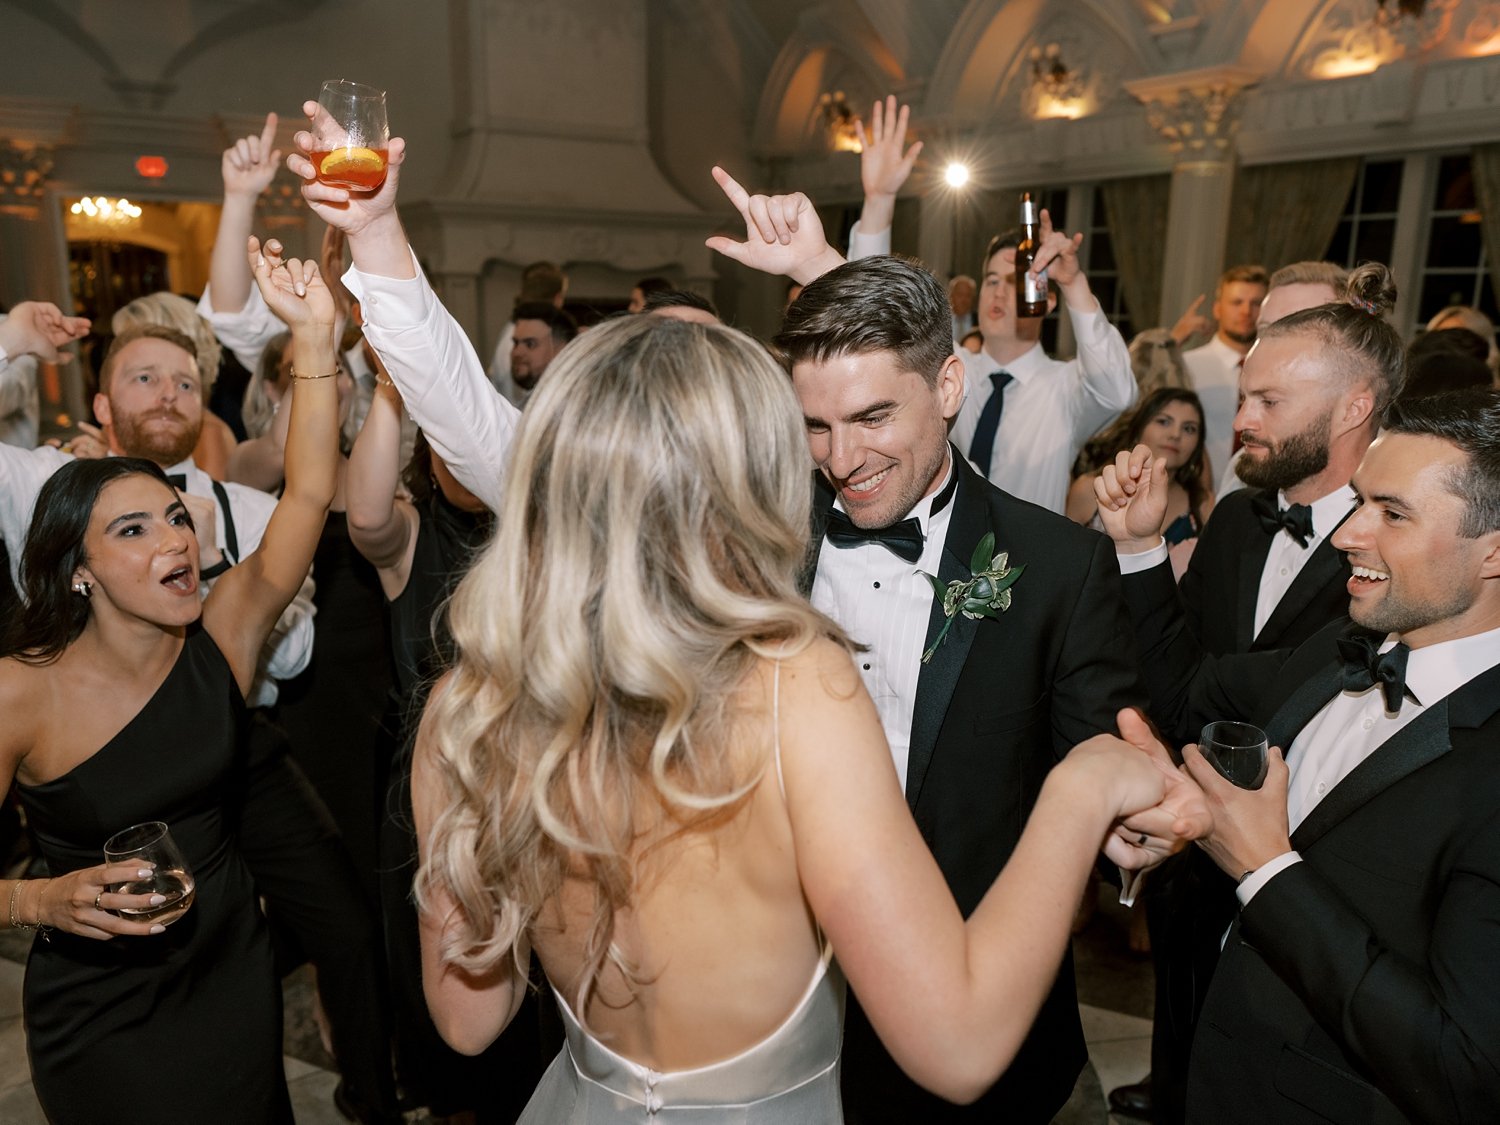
(347, 161)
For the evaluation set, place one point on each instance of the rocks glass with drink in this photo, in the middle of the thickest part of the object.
(170, 876)
(351, 137)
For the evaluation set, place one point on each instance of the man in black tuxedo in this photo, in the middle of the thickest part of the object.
(1357, 983)
(1265, 575)
(973, 730)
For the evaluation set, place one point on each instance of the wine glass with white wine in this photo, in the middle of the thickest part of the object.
(170, 876)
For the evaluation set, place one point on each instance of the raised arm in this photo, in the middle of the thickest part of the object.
(884, 165)
(231, 304)
(382, 526)
(425, 351)
(1105, 377)
(245, 603)
(951, 1000)
(783, 234)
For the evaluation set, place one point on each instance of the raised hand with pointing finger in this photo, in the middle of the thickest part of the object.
(783, 234)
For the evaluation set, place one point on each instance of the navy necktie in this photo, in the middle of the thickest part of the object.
(1295, 520)
(982, 448)
(1365, 666)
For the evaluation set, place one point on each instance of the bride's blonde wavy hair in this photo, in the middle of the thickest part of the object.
(654, 522)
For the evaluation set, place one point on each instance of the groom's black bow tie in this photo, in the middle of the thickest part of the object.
(904, 538)
(1365, 666)
(1296, 520)
(177, 481)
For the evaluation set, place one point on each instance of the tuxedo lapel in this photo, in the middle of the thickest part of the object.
(939, 676)
(1424, 739)
(1252, 562)
(1299, 708)
(1405, 752)
(1321, 568)
(822, 504)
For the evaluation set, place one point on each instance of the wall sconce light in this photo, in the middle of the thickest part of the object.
(839, 120)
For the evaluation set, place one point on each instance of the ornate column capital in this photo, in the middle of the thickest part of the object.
(23, 177)
(1195, 111)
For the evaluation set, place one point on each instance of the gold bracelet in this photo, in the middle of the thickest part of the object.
(385, 381)
(15, 922)
(330, 375)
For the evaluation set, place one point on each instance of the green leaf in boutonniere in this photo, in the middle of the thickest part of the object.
(986, 592)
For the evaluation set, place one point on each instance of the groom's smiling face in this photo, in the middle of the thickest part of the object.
(878, 432)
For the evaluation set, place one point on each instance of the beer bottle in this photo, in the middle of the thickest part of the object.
(1031, 292)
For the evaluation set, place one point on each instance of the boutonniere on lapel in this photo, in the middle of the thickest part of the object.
(986, 592)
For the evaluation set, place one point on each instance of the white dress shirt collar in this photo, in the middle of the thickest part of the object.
(1023, 367)
(1435, 672)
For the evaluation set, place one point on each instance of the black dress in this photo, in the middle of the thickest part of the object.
(333, 710)
(183, 1026)
(496, 1084)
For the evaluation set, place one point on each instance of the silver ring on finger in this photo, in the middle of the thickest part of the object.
(97, 897)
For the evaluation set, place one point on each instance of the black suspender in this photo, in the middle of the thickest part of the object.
(231, 540)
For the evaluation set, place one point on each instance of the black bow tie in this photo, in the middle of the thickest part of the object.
(1296, 520)
(177, 481)
(1365, 666)
(904, 538)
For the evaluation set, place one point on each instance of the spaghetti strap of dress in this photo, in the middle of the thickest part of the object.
(776, 726)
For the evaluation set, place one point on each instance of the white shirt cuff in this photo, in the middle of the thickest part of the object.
(872, 245)
(1143, 560)
(1263, 875)
(410, 298)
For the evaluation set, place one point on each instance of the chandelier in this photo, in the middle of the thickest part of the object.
(111, 214)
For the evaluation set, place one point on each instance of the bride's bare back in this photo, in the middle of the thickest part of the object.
(720, 935)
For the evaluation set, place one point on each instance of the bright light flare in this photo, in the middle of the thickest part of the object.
(956, 175)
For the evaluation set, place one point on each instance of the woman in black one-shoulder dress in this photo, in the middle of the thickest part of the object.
(124, 701)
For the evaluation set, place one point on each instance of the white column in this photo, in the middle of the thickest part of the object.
(1196, 113)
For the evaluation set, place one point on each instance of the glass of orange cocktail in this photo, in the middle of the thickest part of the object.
(350, 135)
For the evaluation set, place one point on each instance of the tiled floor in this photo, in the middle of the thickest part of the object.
(1113, 985)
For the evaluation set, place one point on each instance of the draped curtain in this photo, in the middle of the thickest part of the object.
(1136, 211)
(1486, 164)
(1284, 213)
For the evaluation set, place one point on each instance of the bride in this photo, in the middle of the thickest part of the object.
(655, 765)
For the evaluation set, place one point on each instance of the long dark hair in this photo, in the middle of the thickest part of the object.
(51, 615)
(1126, 434)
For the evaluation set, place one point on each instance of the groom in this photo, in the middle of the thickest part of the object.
(974, 730)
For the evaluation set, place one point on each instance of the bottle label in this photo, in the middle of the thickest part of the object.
(1034, 289)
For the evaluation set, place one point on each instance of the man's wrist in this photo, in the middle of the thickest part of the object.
(878, 212)
(815, 268)
(1077, 295)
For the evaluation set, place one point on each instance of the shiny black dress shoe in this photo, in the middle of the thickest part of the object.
(1133, 1100)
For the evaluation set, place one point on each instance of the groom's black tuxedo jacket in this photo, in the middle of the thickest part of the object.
(999, 703)
(1222, 583)
(1359, 986)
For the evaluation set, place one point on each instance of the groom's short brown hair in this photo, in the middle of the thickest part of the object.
(881, 304)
